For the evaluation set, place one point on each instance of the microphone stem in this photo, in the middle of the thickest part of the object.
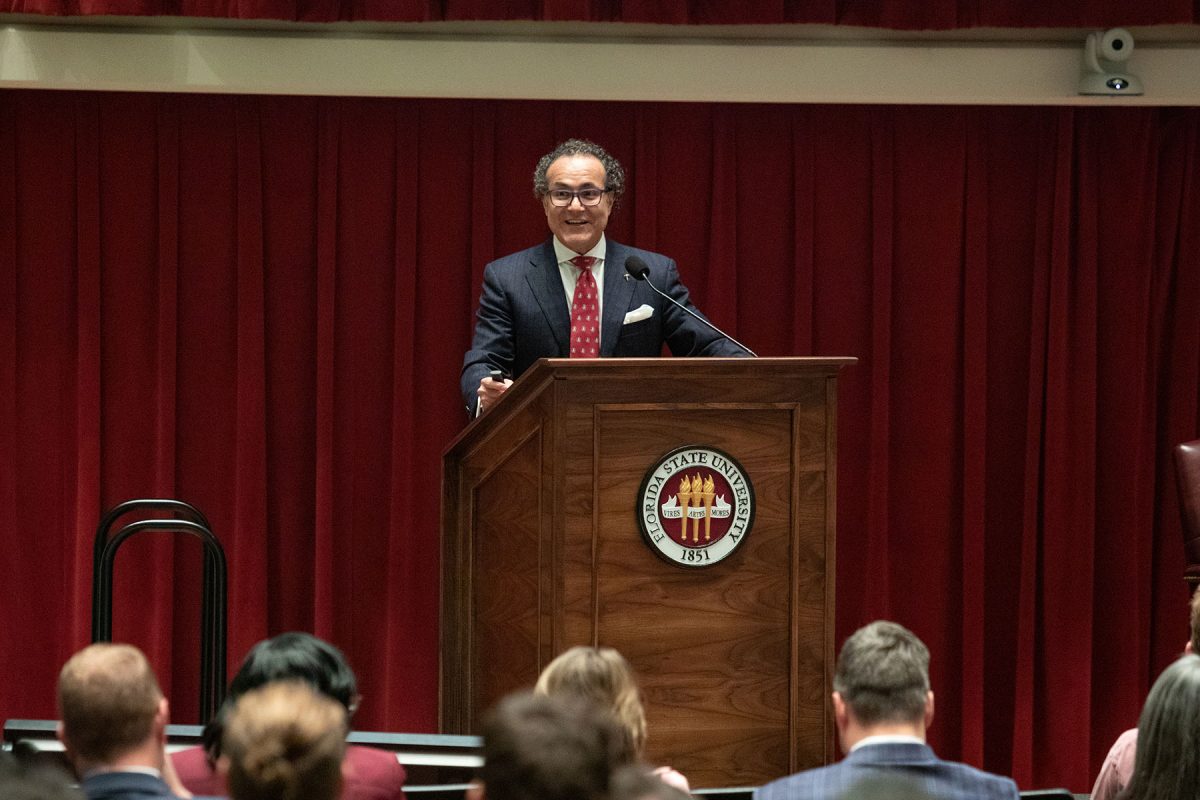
(694, 314)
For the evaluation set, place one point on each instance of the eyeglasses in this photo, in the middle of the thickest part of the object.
(588, 197)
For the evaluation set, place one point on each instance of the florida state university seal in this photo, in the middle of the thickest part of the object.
(695, 506)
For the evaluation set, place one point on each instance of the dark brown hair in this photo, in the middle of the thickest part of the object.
(537, 747)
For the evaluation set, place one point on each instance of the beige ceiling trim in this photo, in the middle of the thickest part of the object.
(544, 61)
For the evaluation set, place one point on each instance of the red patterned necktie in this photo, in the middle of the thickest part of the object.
(585, 312)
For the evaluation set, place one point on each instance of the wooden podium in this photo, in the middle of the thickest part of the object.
(542, 550)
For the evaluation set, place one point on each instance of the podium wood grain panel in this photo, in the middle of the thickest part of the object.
(506, 588)
(717, 669)
(542, 550)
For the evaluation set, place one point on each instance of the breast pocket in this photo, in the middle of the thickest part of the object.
(641, 338)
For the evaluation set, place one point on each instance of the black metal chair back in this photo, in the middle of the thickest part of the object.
(213, 605)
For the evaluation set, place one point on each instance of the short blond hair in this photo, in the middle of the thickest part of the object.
(108, 698)
(601, 676)
(284, 741)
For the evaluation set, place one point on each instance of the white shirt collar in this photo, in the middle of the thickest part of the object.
(565, 254)
(887, 738)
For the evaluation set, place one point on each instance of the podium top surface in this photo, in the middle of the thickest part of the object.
(551, 369)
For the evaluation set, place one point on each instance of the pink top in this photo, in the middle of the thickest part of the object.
(367, 774)
(1117, 768)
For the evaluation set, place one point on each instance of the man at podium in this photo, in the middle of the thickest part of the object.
(578, 294)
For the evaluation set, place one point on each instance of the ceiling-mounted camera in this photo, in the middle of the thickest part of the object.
(1102, 55)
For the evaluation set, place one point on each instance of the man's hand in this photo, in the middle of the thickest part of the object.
(672, 778)
(171, 778)
(489, 391)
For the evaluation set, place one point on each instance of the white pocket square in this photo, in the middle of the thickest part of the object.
(638, 314)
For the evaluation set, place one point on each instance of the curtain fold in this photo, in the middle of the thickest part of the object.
(973, 482)
(9, 440)
(81, 478)
(1066, 501)
(250, 482)
(404, 573)
(324, 596)
(877, 363)
(800, 308)
(260, 305)
(724, 217)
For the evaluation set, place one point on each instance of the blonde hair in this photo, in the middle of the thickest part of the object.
(602, 676)
(108, 698)
(284, 741)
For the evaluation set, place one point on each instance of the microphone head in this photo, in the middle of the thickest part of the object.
(636, 267)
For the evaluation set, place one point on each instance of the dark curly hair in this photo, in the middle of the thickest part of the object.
(614, 174)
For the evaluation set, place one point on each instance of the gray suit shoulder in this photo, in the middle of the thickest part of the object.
(805, 785)
(946, 780)
(998, 786)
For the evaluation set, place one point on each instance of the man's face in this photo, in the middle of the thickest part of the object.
(577, 226)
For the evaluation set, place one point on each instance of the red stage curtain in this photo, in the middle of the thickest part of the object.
(260, 304)
(898, 14)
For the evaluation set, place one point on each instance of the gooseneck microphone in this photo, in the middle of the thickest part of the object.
(636, 268)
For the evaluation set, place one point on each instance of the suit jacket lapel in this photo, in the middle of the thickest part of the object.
(546, 283)
(617, 293)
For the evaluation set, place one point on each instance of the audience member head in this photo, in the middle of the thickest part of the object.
(537, 747)
(21, 782)
(288, 656)
(635, 782)
(881, 684)
(602, 676)
(298, 656)
(284, 741)
(112, 711)
(1167, 764)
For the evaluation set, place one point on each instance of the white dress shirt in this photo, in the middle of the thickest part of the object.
(570, 272)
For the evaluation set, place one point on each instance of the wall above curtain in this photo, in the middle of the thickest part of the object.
(899, 14)
(652, 63)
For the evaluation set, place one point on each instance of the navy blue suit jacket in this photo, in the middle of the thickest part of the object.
(523, 315)
(942, 780)
(126, 786)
